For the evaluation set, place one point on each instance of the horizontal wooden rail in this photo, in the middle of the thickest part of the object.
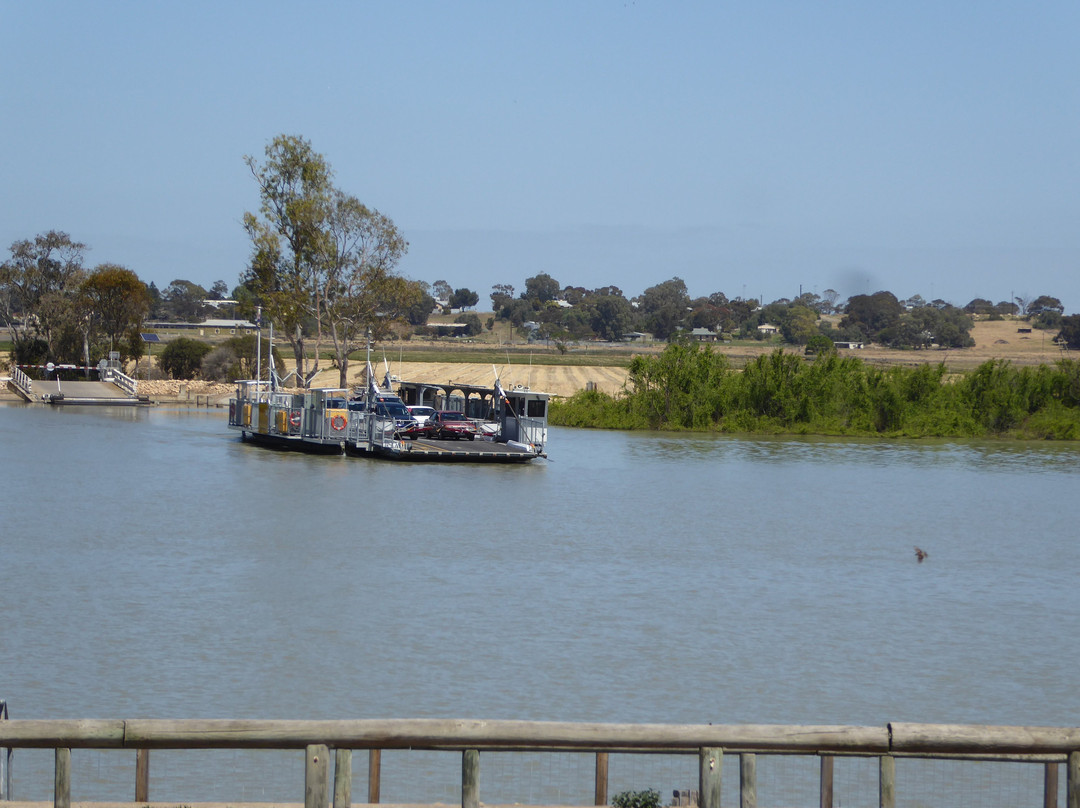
(972, 739)
(711, 743)
(450, 734)
(435, 734)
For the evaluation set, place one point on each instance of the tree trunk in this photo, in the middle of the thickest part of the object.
(296, 341)
(343, 370)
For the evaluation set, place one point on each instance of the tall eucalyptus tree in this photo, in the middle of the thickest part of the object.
(359, 291)
(322, 261)
(289, 239)
(38, 285)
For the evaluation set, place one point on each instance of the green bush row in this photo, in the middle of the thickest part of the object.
(692, 387)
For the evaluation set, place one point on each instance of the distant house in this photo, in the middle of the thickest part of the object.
(766, 328)
(849, 345)
(635, 336)
(230, 325)
(704, 335)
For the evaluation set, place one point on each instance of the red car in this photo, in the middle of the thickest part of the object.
(447, 424)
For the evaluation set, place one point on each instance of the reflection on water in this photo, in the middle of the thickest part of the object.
(154, 565)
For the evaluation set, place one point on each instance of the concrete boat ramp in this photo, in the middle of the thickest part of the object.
(101, 393)
(117, 390)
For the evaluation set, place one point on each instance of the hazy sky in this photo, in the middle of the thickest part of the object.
(752, 148)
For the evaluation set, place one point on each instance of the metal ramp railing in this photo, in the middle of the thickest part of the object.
(111, 371)
(22, 382)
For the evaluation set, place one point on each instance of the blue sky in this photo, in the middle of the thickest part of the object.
(753, 148)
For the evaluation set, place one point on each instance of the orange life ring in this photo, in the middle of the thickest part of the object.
(294, 419)
(337, 423)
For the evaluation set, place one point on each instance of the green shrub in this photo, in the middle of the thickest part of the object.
(649, 798)
(691, 387)
(220, 365)
(183, 357)
(819, 344)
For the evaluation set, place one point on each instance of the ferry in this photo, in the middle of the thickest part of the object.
(374, 421)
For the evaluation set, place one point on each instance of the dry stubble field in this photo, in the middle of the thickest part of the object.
(993, 340)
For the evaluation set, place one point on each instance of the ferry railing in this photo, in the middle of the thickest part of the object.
(252, 392)
(335, 425)
(533, 430)
(383, 428)
(23, 382)
(711, 745)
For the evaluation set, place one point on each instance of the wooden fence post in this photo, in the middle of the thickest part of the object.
(342, 778)
(600, 791)
(470, 778)
(1072, 781)
(62, 779)
(142, 775)
(1050, 785)
(747, 780)
(710, 762)
(825, 798)
(317, 776)
(374, 775)
(887, 781)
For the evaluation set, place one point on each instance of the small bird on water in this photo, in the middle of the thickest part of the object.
(921, 554)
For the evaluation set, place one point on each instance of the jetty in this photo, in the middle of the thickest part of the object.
(113, 388)
(724, 758)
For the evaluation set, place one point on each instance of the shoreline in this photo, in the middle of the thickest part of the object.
(1007, 340)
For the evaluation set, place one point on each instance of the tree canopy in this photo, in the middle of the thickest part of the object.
(117, 302)
(38, 288)
(322, 261)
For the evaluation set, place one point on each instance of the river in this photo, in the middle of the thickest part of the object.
(153, 565)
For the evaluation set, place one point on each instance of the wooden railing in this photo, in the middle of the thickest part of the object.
(1049, 746)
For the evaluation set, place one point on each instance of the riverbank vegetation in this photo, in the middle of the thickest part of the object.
(693, 387)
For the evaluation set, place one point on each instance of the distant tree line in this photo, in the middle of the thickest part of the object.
(58, 310)
(323, 270)
(667, 312)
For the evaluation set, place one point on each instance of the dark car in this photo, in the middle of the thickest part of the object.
(405, 426)
(447, 424)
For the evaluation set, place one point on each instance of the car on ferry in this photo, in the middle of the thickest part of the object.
(405, 426)
(421, 413)
(447, 424)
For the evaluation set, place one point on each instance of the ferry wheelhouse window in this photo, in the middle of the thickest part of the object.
(536, 408)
